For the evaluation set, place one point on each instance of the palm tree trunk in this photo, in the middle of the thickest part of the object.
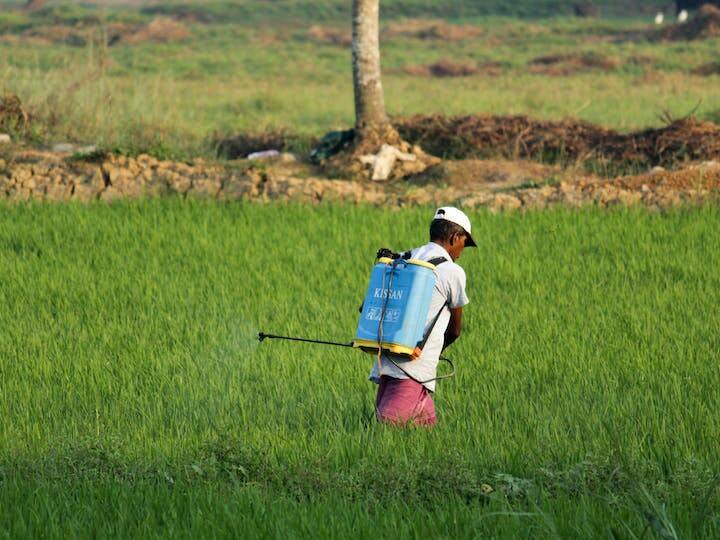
(370, 115)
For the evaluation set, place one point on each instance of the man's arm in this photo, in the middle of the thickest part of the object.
(454, 327)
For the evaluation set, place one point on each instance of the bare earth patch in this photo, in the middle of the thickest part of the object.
(328, 35)
(707, 70)
(569, 64)
(159, 30)
(431, 29)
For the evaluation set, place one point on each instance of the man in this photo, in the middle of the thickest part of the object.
(406, 385)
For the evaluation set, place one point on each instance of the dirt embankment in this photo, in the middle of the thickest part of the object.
(521, 137)
(705, 24)
(52, 177)
(158, 30)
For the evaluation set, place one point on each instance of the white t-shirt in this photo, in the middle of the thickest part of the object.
(450, 289)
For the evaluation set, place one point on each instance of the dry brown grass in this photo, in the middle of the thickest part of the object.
(521, 137)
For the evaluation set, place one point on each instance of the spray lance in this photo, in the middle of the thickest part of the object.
(394, 311)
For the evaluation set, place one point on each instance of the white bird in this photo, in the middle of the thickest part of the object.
(659, 18)
(683, 16)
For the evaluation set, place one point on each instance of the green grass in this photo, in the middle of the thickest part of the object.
(132, 386)
(175, 99)
(259, 11)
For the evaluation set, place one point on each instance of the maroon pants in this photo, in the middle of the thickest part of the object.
(404, 401)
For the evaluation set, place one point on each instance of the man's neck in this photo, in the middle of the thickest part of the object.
(443, 245)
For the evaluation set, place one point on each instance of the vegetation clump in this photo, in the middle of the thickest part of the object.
(569, 140)
(704, 25)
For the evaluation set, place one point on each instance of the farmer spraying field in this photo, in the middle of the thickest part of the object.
(411, 312)
(406, 383)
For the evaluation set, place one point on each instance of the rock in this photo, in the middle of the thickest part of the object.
(21, 174)
(179, 183)
(86, 150)
(629, 198)
(111, 194)
(383, 162)
(668, 198)
(19, 194)
(607, 195)
(263, 154)
(533, 198)
(113, 174)
(85, 193)
(548, 191)
(235, 189)
(567, 187)
(205, 188)
(287, 157)
(58, 192)
(657, 170)
(5, 138)
(503, 201)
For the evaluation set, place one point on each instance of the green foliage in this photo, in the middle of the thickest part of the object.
(252, 72)
(133, 386)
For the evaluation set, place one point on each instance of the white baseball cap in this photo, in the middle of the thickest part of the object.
(458, 217)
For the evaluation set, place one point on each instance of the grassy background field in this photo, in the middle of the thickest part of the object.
(255, 67)
(133, 387)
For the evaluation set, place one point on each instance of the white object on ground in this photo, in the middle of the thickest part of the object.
(383, 162)
(683, 16)
(264, 154)
(659, 18)
(63, 147)
(5, 138)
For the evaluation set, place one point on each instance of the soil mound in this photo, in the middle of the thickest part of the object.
(445, 67)
(409, 28)
(431, 29)
(14, 117)
(568, 64)
(515, 137)
(330, 36)
(707, 70)
(159, 30)
(243, 144)
(705, 24)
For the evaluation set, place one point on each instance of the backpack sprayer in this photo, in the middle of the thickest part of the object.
(394, 311)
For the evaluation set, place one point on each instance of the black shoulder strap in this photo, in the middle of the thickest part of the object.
(436, 261)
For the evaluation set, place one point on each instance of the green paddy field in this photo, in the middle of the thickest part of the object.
(135, 400)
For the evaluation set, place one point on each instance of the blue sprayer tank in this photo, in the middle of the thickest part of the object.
(403, 290)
